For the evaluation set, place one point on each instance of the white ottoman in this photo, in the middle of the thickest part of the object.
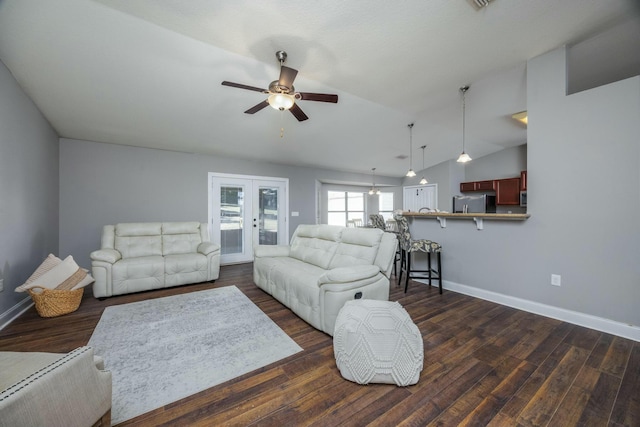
(377, 342)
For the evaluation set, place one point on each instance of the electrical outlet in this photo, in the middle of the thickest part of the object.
(556, 279)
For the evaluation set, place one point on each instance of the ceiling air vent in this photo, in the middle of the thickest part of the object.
(479, 4)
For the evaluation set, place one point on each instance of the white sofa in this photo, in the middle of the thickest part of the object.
(50, 389)
(324, 267)
(138, 257)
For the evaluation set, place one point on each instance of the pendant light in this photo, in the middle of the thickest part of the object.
(464, 157)
(410, 172)
(423, 181)
(373, 190)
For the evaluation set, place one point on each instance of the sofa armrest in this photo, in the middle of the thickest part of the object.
(69, 391)
(262, 251)
(206, 248)
(348, 274)
(106, 255)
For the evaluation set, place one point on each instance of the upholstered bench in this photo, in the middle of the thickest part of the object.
(377, 342)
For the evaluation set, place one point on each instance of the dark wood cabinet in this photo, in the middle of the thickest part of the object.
(486, 185)
(508, 191)
(523, 181)
(489, 185)
(467, 186)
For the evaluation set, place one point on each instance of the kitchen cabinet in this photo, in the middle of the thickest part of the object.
(508, 191)
(523, 181)
(489, 185)
(486, 185)
(467, 186)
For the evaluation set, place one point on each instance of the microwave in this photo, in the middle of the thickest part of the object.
(523, 199)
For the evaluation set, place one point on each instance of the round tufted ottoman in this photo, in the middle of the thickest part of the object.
(377, 342)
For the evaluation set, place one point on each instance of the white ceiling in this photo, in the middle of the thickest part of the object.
(148, 72)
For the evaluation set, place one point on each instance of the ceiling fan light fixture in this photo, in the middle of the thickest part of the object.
(281, 101)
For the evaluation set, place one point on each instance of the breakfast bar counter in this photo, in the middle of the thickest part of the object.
(477, 217)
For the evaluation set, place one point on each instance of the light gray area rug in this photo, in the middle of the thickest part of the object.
(165, 349)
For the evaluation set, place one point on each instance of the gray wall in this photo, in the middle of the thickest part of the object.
(447, 175)
(583, 157)
(28, 189)
(507, 163)
(106, 184)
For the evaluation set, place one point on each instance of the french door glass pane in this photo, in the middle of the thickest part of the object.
(268, 216)
(231, 225)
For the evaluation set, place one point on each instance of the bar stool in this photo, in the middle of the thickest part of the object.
(378, 221)
(407, 246)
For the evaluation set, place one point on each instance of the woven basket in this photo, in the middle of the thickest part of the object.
(55, 302)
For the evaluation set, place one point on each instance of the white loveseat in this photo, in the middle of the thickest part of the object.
(138, 257)
(324, 267)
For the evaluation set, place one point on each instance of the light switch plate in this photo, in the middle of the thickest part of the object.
(556, 279)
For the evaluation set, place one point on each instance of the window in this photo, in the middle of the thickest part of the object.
(343, 206)
(385, 205)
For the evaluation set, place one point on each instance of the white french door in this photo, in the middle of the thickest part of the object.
(245, 211)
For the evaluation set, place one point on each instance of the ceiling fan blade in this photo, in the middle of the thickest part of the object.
(257, 107)
(322, 97)
(287, 76)
(241, 86)
(298, 113)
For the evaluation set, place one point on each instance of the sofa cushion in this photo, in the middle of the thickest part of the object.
(138, 229)
(138, 239)
(185, 268)
(315, 244)
(174, 244)
(187, 227)
(138, 274)
(358, 246)
(295, 284)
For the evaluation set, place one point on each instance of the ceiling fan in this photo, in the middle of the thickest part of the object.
(282, 94)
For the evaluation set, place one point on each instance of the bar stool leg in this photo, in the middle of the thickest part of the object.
(401, 266)
(429, 266)
(440, 272)
(408, 264)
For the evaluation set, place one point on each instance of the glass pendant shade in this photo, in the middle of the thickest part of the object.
(423, 181)
(281, 101)
(464, 158)
(411, 173)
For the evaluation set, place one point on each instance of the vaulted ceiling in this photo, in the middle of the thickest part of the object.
(148, 72)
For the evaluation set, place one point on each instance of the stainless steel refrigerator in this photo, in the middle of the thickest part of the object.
(483, 203)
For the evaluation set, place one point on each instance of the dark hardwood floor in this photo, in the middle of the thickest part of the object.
(485, 364)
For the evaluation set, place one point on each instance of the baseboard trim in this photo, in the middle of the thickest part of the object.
(582, 319)
(12, 314)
